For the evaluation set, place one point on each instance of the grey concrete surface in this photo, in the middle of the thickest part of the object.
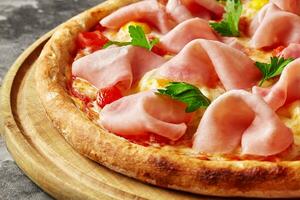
(21, 23)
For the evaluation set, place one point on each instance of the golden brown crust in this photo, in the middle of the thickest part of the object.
(149, 164)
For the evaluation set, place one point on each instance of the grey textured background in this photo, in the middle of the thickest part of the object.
(21, 23)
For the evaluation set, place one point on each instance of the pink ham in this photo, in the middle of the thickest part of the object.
(185, 32)
(239, 118)
(286, 90)
(288, 5)
(116, 66)
(143, 113)
(273, 27)
(182, 10)
(149, 11)
(202, 62)
(291, 51)
(234, 43)
(179, 11)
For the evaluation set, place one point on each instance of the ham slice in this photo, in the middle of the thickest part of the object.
(116, 66)
(146, 112)
(288, 5)
(182, 10)
(185, 32)
(286, 90)
(291, 51)
(273, 27)
(203, 62)
(149, 11)
(239, 118)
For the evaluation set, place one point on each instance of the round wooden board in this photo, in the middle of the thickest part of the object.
(43, 154)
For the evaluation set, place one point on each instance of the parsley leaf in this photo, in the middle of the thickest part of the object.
(229, 26)
(275, 68)
(186, 93)
(120, 44)
(138, 38)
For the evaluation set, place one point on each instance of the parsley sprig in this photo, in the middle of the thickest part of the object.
(138, 38)
(229, 26)
(186, 93)
(272, 69)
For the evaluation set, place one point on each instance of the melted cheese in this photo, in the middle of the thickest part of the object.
(122, 35)
(251, 8)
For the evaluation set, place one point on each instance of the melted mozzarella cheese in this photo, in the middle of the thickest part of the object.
(85, 88)
(122, 35)
(251, 8)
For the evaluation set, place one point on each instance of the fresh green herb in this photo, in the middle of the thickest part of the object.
(138, 38)
(275, 68)
(186, 93)
(229, 26)
(120, 44)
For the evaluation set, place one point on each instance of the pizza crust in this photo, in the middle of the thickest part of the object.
(148, 164)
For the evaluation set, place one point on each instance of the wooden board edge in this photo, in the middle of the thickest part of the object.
(5, 92)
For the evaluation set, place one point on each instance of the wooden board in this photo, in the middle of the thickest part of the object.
(47, 159)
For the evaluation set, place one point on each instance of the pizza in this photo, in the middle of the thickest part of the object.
(198, 96)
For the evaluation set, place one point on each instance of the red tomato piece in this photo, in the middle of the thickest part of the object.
(243, 25)
(94, 40)
(108, 95)
(99, 27)
(159, 51)
(277, 51)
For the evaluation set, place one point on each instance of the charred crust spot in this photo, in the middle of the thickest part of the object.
(242, 179)
(164, 170)
(162, 164)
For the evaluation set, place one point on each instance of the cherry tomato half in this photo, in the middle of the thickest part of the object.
(94, 40)
(108, 95)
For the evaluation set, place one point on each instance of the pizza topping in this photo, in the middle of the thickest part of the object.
(94, 40)
(288, 5)
(144, 113)
(278, 50)
(138, 38)
(286, 90)
(106, 96)
(118, 66)
(291, 51)
(178, 11)
(186, 93)
(273, 26)
(185, 32)
(272, 69)
(239, 118)
(203, 62)
(229, 26)
(258, 4)
(182, 10)
(235, 121)
(150, 11)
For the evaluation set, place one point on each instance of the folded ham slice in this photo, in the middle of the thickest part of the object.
(273, 27)
(239, 118)
(288, 5)
(143, 113)
(203, 62)
(116, 66)
(185, 32)
(149, 11)
(286, 90)
(291, 51)
(182, 10)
